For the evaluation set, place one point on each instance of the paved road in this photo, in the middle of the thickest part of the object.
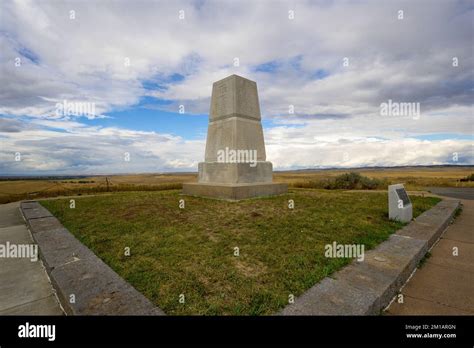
(454, 192)
(444, 285)
(24, 285)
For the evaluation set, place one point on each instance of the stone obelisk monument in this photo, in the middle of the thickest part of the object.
(235, 164)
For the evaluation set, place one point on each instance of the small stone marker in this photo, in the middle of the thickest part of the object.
(399, 204)
(235, 164)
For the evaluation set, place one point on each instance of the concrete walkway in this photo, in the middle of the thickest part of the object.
(444, 285)
(24, 286)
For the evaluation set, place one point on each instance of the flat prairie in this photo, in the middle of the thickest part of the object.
(414, 178)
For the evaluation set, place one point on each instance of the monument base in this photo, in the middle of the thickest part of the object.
(235, 173)
(234, 192)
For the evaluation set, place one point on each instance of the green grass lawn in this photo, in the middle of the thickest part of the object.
(190, 251)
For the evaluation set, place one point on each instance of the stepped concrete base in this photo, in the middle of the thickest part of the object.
(234, 192)
(235, 173)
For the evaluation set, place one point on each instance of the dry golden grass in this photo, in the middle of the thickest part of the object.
(16, 190)
(414, 178)
(146, 179)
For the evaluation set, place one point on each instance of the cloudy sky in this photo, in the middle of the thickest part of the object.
(333, 62)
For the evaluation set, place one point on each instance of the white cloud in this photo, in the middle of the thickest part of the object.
(337, 108)
(79, 149)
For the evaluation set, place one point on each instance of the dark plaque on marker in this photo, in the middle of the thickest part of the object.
(402, 194)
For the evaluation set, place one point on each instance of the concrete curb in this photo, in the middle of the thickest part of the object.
(366, 288)
(75, 270)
